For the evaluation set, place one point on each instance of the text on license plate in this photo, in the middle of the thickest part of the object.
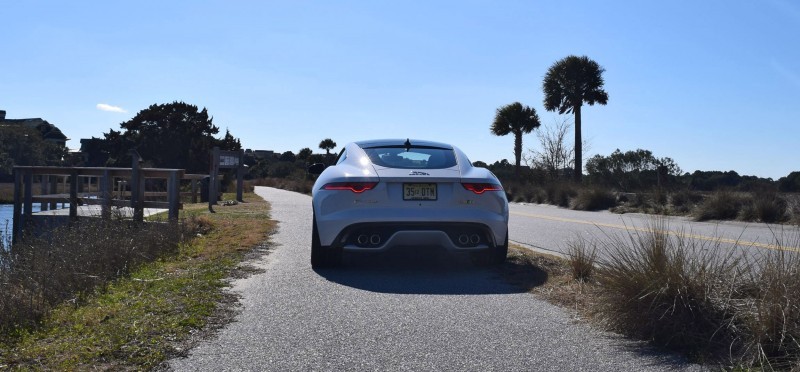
(419, 191)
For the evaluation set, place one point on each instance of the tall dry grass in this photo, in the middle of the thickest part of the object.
(582, 257)
(593, 199)
(718, 303)
(38, 273)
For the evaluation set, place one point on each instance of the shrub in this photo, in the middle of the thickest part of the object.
(38, 273)
(672, 290)
(684, 200)
(582, 257)
(281, 169)
(559, 193)
(764, 207)
(659, 197)
(721, 205)
(535, 194)
(594, 199)
(770, 317)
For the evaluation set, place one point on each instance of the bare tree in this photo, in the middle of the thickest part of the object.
(555, 156)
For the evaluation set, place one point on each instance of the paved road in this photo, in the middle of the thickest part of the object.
(402, 312)
(552, 228)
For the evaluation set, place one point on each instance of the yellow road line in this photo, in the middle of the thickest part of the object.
(676, 233)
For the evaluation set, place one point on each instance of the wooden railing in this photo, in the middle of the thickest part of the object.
(130, 191)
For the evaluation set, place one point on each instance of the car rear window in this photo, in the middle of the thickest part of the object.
(412, 158)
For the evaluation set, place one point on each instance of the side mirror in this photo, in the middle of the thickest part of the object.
(316, 168)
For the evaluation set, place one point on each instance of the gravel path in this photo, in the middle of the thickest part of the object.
(419, 311)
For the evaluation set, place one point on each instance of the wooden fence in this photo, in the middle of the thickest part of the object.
(107, 187)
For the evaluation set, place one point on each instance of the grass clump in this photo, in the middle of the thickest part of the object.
(766, 207)
(594, 199)
(717, 304)
(668, 289)
(582, 258)
(721, 205)
(769, 313)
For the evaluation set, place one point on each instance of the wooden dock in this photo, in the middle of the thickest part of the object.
(118, 190)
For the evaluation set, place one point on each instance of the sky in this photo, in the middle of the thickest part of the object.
(714, 84)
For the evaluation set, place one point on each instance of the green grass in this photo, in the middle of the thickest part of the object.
(142, 319)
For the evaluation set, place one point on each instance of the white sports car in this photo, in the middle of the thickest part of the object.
(384, 194)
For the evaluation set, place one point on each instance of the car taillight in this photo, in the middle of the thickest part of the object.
(356, 187)
(480, 188)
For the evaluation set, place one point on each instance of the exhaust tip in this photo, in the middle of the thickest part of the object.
(362, 239)
(474, 239)
(463, 239)
(375, 239)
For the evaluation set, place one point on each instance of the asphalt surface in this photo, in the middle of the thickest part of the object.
(411, 311)
(551, 228)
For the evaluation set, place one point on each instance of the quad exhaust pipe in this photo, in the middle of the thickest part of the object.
(464, 240)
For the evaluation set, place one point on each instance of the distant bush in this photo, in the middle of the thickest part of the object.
(560, 193)
(764, 207)
(594, 199)
(281, 169)
(721, 205)
(685, 198)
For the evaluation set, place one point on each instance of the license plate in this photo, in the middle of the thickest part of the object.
(419, 191)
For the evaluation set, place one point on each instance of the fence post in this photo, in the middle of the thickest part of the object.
(53, 181)
(194, 183)
(43, 184)
(104, 183)
(136, 187)
(240, 178)
(212, 181)
(16, 228)
(27, 179)
(73, 194)
(173, 194)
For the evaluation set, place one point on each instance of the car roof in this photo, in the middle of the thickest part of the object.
(401, 142)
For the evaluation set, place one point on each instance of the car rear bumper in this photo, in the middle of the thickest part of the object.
(377, 236)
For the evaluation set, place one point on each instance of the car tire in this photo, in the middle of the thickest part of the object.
(492, 256)
(321, 256)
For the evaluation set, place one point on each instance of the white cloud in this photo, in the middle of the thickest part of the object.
(107, 107)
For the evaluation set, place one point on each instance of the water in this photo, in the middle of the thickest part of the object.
(6, 219)
(6, 214)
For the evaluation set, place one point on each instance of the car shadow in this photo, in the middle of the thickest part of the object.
(430, 271)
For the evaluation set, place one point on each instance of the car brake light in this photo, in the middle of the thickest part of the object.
(480, 188)
(356, 187)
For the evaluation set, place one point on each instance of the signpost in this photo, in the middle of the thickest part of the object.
(225, 160)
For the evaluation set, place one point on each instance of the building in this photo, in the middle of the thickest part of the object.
(50, 132)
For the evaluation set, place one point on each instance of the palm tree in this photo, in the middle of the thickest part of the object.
(567, 85)
(518, 119)
(327, 145)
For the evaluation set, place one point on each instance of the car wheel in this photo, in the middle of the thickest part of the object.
(321, 256)
(492, 256)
